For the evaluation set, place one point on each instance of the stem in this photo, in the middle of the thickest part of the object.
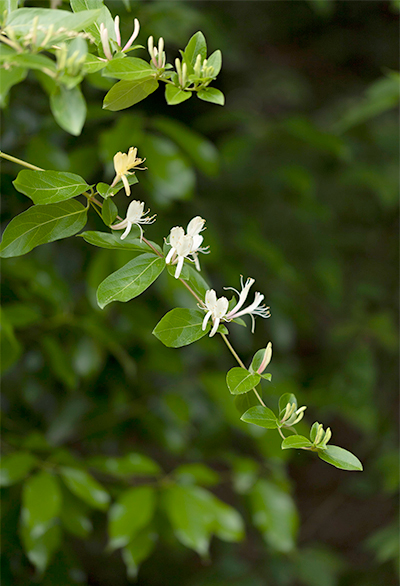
(239, 361)
(281, 433)
(19, 161)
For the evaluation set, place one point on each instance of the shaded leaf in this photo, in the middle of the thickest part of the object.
(85, 487)
(41, 503)
(137, 551)
(15, 467)
(131, 513)
(68, 107)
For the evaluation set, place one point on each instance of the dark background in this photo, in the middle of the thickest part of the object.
(302, 195)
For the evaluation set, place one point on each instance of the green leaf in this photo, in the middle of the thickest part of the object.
(275, 515)
(131, 280)
(200, 150)
(93, 63)
(296, 441)
(240, 380)
(180, 327)
(45, 187)
(74, 516)
(59, 362)
(285, 399)
(261, 416)
(41, 503)
(340, 458)
(245, 401)
(8, 5)
(127, 93)
(85, 487)
(190, 510)
(137, 551)
(103, 17)
(109, 212)
(132, 512)
(196, 45)
(196, 473)
(40, 550)
(21, 20)
(212, 95)
(10, 347)
(128, 69)
(113, 241)
(30, 61)
(215, 60)
(68, 107)
(228, 524)
(132, 464)
(9, 78)
(175, 95)
(314, 431)
(41, 224)
(15, 467)
(256, 363)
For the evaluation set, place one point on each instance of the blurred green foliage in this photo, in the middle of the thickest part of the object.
(297, 178)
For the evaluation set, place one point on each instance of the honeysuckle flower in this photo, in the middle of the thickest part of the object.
(266, 358)
(122, 163)
(186, 245)
(134, 215)
(292, 416)
(105, 39)
(157, 55)
(217, 309)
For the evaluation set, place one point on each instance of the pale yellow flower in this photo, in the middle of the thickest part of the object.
(122, 164)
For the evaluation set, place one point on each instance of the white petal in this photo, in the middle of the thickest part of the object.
(215, 327)
(195, 226)
(170, 255)
(179, 267)
(211, 299)
(175, 235)
(135, 211)
(128, 229)
(205, 320)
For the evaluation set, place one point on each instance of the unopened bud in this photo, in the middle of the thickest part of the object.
(266, 358)
(319, 435)
(300, 415)
(197, 66)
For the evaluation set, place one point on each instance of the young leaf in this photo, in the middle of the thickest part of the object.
(261, 416)
(44, 187)
(314, 431)
(15, 467)
(196, 45)
(85, 487)
(215, 60)
(340, 458)
(109, 211)
(131, 280)
(137, 551)
(295, 441)
(113, 241)
(41, 503)
(68, 107)
(210, 94)
(285, 399)
(127, 93)
(40, 224)
(175, 95)
(180, 327)
(240, 380)
(128, 69)
(130, 514)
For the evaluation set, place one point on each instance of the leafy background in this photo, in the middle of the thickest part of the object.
(297, 178)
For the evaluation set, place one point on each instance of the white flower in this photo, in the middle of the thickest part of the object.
(134, 215)
(217, 309)
(122, 164)
(186, 245)
(157, 55)
(105, 40)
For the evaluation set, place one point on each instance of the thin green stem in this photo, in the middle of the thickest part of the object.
(19, 161)
(281, 433)
(239, 361)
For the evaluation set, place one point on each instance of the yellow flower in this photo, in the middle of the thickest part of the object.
(122, 164)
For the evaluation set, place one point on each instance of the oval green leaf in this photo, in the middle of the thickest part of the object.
(180, 327)
(85, 487)
(240, 380)
(212, 95)
(113, 241)
(127, 93)
(175, 95)
(130, 514)
(340, 458)
(44, 187)
(15, 467)
(295, 441)
(261, 416)
(41, 503)
(41, 224)
(68, 107)
(131, 280)
(128, 69)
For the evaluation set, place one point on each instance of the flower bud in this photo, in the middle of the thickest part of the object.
(266, 358)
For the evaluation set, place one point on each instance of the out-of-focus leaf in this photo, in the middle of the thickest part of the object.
(137, 551)
(85, 487)
(41, 224)
(15, 467)
(74, 516)
(275, 515)
(319, 566)
(40, 550)
(340, 458)
(196, 473)
(104, 16)
(60, 364)
(19, 315)
(10, 347)
(69, 108)
(21, 20)
(9, 78)
(132, 464)
(180, 327)
(127, 93)
(200, 150)
(45, 187)
(228, 524)
(130, 281)
(131, 513)
(41, 503)
(385, 543)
